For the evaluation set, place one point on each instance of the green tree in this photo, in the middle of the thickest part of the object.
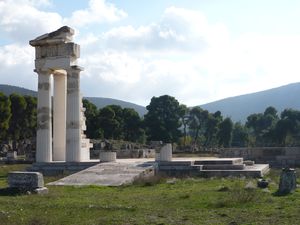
(118, 132)
(163, 119)
(108, 122)
(225, 132)
(17, 125)
(240, 137)
(212, 129)
(184, 118)
(132, 125)
(288, 127)
(262, 126)
(91, 113)
(198, 122)
(30, 116)
(5, 115)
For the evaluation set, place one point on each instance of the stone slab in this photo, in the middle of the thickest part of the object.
(219, 161)
(117, 173)
(257, 170)
(56, 168)
(224, 167)
(41, 191)
(25, 180)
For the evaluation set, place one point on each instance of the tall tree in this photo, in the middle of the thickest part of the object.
(212, 129)
(288, 126)
(118, 132)
(5, 115)
(240, 137)
(93, 126)
(108, 122)
(18, 122)
(225, 132)
(30, 116)
(163, 119)
(262, 126)
(184, 118)
(198, 122)
(132, 125)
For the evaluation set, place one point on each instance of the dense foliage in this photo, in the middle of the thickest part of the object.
(167, 120)
(17, 117)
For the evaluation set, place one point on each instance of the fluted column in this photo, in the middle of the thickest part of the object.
(73, 143)
(44, 126)
(59, 116)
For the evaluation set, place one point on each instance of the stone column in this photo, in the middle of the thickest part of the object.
(44, 125)
(59, 116)
(73, 144)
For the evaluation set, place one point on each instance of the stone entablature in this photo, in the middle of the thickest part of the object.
(62, 50)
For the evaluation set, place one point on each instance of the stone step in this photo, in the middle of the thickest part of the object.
(257, 170)
(222, 161)
(224, 167)
(175, 165)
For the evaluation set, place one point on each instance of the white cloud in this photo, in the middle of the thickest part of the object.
(178, 30)
(21, 21)
(182, 54)
(16, 66)
(99, 11)
(185, 56)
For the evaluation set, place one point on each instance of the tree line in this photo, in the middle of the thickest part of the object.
(17, 117)
(166, 120)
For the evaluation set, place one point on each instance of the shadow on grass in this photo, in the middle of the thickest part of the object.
(12, 191)
(281, 194)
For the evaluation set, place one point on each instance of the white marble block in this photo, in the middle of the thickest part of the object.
(108, 156)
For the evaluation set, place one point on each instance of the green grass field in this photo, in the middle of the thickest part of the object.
(155, 201)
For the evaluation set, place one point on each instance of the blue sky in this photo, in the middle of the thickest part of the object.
(197, 51)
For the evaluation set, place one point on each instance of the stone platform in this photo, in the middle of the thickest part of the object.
(57, 168)
(125, 171)
(110, 173)
(211, 167)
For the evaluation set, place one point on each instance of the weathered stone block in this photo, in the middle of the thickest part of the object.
(165, 153)
(108, 156)
(25, 180)
(287, 182)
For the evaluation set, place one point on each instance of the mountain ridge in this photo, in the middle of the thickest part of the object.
(238, 108)
(98, 101)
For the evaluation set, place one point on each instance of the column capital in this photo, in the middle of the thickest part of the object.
(43, 71)
(76, 67)
(59, 72)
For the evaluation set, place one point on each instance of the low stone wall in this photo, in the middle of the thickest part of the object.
(275, 156)
(128, 153)
(135, 153)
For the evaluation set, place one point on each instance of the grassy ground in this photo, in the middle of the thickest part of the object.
(155, 201)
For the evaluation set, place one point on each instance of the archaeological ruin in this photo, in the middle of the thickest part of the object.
(56, 59)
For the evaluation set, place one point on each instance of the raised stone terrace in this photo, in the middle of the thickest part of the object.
(125, 171)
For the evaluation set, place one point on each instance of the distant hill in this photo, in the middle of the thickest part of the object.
(102, 102)
(99, 102)
(240, 107)
(8, 90)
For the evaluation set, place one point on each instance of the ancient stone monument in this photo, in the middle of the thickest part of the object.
(288, 181)
(27, 181)
(56, 56)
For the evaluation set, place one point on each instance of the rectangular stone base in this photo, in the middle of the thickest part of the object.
(56, 168)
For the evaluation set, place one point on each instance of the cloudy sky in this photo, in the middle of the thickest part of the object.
(197, 51)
